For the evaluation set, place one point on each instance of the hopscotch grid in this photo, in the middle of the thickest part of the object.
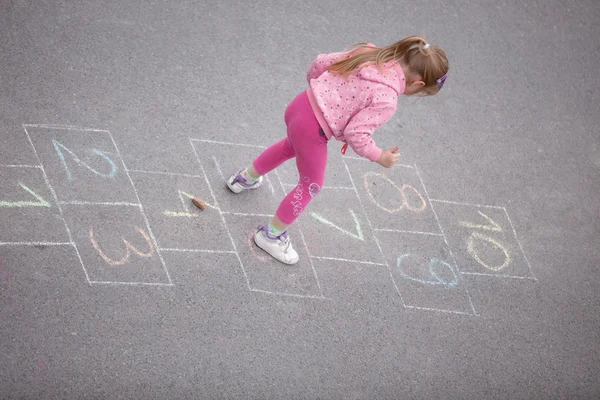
(464, 204)
(164, 173)
(375, 237)
(312, 265)
(304, 296)
(499, 275)
(154, 241)
(411, 232)
(445, 239)
(212, 193)
(87, 276)
(36, 244)
(64, 127)
(519, 243)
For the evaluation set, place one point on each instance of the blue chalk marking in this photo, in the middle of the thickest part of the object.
(58, 145)
(432, 263)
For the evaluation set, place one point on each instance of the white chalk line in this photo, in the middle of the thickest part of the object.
(440, 310)
(227, 143)
(445, 239)
(375, 237)
(36, 244)
(20, 166)
(304, 296)
(312, 265)
(218, 167)
(499, 275)
(270, 185)
(87, 276)
(165, 173)
(98, 203)
(199, 251)
(346, 260)
(131, 283)
(463, 204)
(212, 193)
(519, 243)
(64, 127)
(366, 159)
(247, 214)
(411, 232)
(154, 241)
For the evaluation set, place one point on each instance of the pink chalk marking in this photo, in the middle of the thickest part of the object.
(251, 247)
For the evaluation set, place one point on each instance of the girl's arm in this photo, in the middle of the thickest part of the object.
(359, 131)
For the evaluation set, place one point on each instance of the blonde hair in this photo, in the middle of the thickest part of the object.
(428, 61)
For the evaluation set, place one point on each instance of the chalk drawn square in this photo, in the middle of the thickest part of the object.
(357, 285)
(219, 161)
(175, 221)
(267, 274)
(335, 226)
(115, 244)
(26, 201)
(483, 240)
(82, 165)
(393, 198)
(424, 272)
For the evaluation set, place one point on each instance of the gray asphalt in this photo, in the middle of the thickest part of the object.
(468, 271)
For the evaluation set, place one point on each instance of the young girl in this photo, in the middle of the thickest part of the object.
(350, 95)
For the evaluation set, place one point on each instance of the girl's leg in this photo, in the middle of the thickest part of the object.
(271, 158)
(310, 148)
(251, 177)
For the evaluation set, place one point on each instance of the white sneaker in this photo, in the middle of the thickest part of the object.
(237, 184)
(280, 247)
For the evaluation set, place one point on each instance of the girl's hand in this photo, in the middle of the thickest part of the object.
(389, 157)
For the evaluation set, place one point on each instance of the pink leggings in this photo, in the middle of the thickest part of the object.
(305, 142)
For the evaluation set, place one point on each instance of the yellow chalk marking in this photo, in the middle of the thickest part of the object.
(494, 227)
(129, 247)
(358, 235)
(180, 214)
(473, 252)
(39, 203)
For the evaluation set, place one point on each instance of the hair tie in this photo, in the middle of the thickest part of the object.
(426, 46)
(442, 80)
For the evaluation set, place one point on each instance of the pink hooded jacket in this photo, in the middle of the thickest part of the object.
(352, 110)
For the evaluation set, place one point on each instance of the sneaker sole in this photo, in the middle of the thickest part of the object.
(272, 255)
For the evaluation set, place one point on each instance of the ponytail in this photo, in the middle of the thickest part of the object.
(429, 61)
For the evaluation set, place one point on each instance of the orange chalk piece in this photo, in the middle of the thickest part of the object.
(199, 203)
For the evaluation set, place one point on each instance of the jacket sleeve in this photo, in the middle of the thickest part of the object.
(361, 127)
